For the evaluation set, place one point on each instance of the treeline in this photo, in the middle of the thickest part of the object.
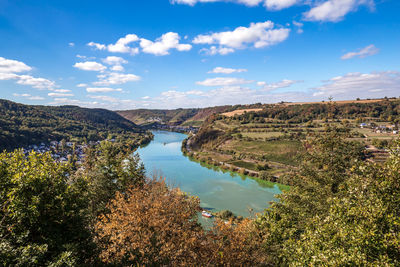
(387, 110)
(23, 125)
(341, 211)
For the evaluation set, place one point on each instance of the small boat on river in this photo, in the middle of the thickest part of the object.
(206, 214)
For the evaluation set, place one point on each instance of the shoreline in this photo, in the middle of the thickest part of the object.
(231, 169)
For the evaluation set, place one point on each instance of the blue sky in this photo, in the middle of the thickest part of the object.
(197, 53)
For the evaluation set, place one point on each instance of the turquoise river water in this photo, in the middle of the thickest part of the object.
(217, 190)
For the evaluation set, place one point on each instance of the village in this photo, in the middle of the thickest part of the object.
(62, 151)
(389, 129)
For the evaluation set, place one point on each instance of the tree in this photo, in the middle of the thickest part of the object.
(154, 225)
(150, 225)
(325, 167)
(363, 226)
(109, 168)
(43, 218)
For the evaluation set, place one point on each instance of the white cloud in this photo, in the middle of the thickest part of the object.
(226, 70)
(259, 35)
(115, 78)
(226, 95)
(71, 44)
(279, 4)
(269, 4)
(213, 50)
(90, 66)
(121, 46)
(9, 69)
(12, 66)
(60, 90)
(357, 84)
(364, 52)
(334, 10)
(97, 46)
(68, 101)
(146, 97)
(36, 98)
(322, 10)
(193, 2)
(82, 85)
(38, 83)
(102, 90)
(273, 86)
(223, 81)
(117, 68)
(160, 47)
(113, 60)
(104, 98)
(30, 97)
(85, 57)
(299, 26)
(59, 94)
(163, 44)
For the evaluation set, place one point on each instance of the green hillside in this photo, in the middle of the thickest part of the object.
(184, 117)
(22, 125)
(271, 141)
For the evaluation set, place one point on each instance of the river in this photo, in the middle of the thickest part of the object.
(217, 190)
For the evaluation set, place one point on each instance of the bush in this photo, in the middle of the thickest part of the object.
(43, 216)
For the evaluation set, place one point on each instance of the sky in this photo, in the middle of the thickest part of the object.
(168, 54)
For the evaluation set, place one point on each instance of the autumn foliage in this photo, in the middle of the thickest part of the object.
(156, 225)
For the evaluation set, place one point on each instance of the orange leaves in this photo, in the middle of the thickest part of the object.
(155, 225)
(149, 225)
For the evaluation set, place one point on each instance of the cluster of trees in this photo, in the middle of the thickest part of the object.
(341, 211)
(385, 110)
(23, 125)
(48, 210)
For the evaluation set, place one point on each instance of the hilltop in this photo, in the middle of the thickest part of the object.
(174, 117)
(22, 125)
(267, 141)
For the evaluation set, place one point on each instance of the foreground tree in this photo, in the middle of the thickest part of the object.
(343, 211)
(150, 225)
(154, 225)
(363, 225)
(43, 218)
(109, 168)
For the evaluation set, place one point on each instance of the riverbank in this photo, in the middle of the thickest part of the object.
(261, 178)
(217, 190)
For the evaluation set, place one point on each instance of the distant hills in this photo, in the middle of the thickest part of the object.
(183, 117)
(22, 125)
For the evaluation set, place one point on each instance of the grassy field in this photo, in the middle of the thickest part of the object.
(252, 138)
(241, 111)
(244, 164)
(261, 134)
(282, 151)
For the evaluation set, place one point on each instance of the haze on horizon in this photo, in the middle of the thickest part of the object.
(197, 53)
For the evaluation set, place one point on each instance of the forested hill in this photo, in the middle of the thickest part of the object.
(184, 117)
(22, 125)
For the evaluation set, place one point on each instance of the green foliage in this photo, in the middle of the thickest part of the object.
(22, 125)
(184, 117)
(380, 143)
(342, 212)
(109, 168)
(43, 218)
